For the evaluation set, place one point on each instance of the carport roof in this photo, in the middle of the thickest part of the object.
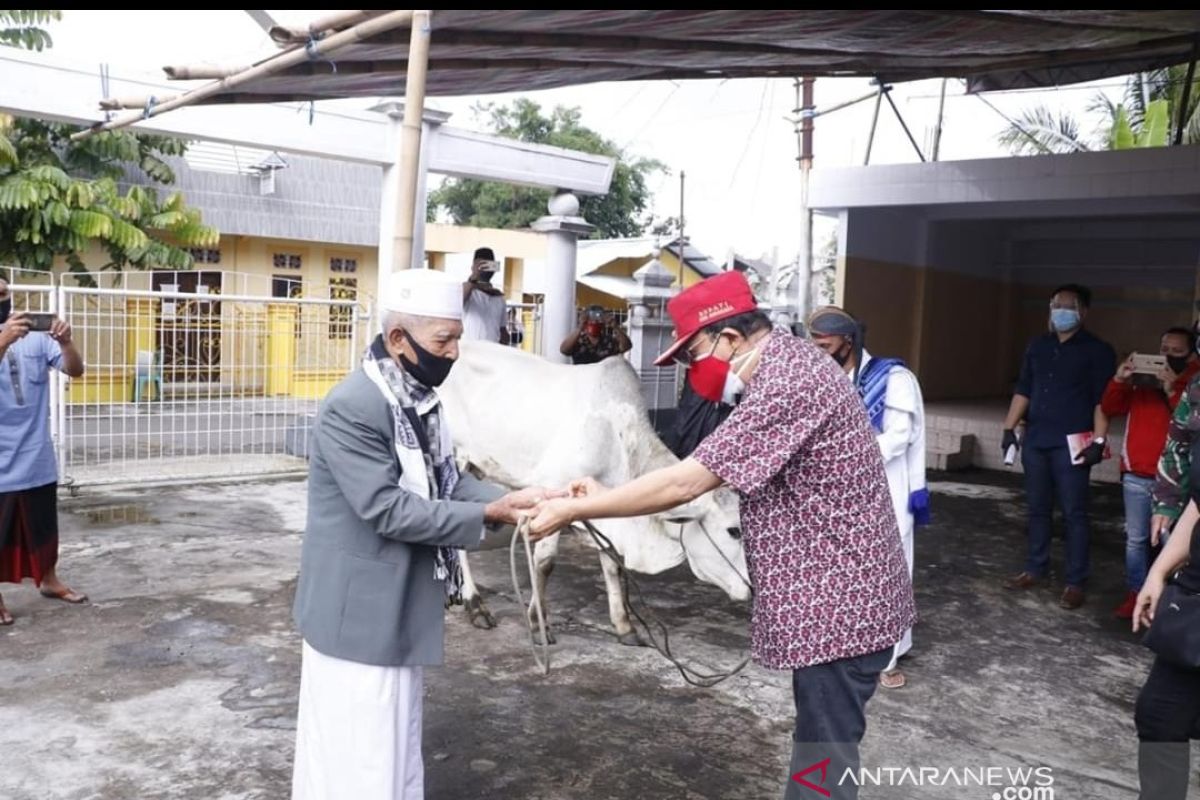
(480, 52)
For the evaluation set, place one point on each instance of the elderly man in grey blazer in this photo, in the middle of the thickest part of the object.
(387, 507)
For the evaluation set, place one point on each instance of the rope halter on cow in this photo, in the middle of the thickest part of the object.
(703, 678)
(542, 658)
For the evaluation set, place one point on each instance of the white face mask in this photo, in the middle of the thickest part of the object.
(734, 385)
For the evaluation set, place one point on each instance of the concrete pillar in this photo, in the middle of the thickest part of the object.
(564, 226)
(651, 331)
(389, 203)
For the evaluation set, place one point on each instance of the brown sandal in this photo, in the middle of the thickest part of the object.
(66, 595)
(6, 617)
(893, 680)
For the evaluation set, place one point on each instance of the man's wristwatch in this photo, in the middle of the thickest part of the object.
(1100, 440)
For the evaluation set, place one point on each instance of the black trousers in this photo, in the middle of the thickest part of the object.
(831, 718)
(1168, 711)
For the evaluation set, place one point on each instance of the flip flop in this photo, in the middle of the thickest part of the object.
(893, 680)
(66, 595)
(6, 618)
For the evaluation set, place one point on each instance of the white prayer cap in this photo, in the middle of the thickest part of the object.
(423, 293)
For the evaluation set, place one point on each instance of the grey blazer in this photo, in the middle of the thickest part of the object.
(366, 591)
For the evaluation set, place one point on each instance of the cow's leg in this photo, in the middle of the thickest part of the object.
(626, 634)
(544, 553)
(477, 612)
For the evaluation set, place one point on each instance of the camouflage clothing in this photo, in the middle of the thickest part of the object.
(1171, 484)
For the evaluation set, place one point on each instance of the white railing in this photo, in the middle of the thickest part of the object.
(184, 386)
(525, 326)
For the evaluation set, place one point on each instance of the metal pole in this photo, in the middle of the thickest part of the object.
(410, 141)
(840, 106)
(682, 241)
(937, 132)
(804, 267)
(1187, 95)
(904, 125)
(874, 124)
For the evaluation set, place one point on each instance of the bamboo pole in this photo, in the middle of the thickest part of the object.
(202, 72)
(410, 140)
(266, 68)
(937, 132)
(284, 36)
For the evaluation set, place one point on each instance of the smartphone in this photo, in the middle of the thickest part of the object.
(1148, 364)
(40, 321)
(1146, 369)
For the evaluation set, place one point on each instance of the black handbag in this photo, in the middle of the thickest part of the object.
(1175, 633)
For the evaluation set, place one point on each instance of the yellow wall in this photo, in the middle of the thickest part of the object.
(255, 256)
(587, 296)
(252, 345)
(441, 238)
(624, 268)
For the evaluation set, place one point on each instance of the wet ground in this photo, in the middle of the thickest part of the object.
(179, 679)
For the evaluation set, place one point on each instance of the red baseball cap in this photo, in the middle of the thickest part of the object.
(712, 300)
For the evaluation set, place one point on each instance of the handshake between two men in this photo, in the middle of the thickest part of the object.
(547, 510)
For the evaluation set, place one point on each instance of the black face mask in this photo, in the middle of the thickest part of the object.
(5, 310)
(1177, 363)
(842, 357)
(486, 275)
(430, 370)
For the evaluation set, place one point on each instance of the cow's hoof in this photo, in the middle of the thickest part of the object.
(537, 637)
(630, 639)
(479, 615)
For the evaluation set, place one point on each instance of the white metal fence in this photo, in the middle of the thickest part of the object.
(200, 375)
(191, 385)
(525, 326)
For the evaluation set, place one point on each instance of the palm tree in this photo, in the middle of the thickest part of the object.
(1041, 130)
(1145, 117)
(21, 28)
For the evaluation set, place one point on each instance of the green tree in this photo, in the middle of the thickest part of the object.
(1145, 117)
(23, 28)
(57, 197)
(621, 212)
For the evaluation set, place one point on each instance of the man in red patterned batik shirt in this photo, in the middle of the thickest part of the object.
(831, 589)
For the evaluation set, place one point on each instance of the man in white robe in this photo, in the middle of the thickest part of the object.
(387, 508)
(892, 396)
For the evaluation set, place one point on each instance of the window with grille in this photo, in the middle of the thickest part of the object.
(343, 265)
(341, 318)
(203, 255)
(286, 286)
(286, 261)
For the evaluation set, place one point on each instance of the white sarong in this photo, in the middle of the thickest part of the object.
(358, 733)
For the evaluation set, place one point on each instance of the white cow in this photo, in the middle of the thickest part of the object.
(522, 421)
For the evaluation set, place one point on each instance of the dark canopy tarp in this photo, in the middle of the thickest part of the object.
(480, 52)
